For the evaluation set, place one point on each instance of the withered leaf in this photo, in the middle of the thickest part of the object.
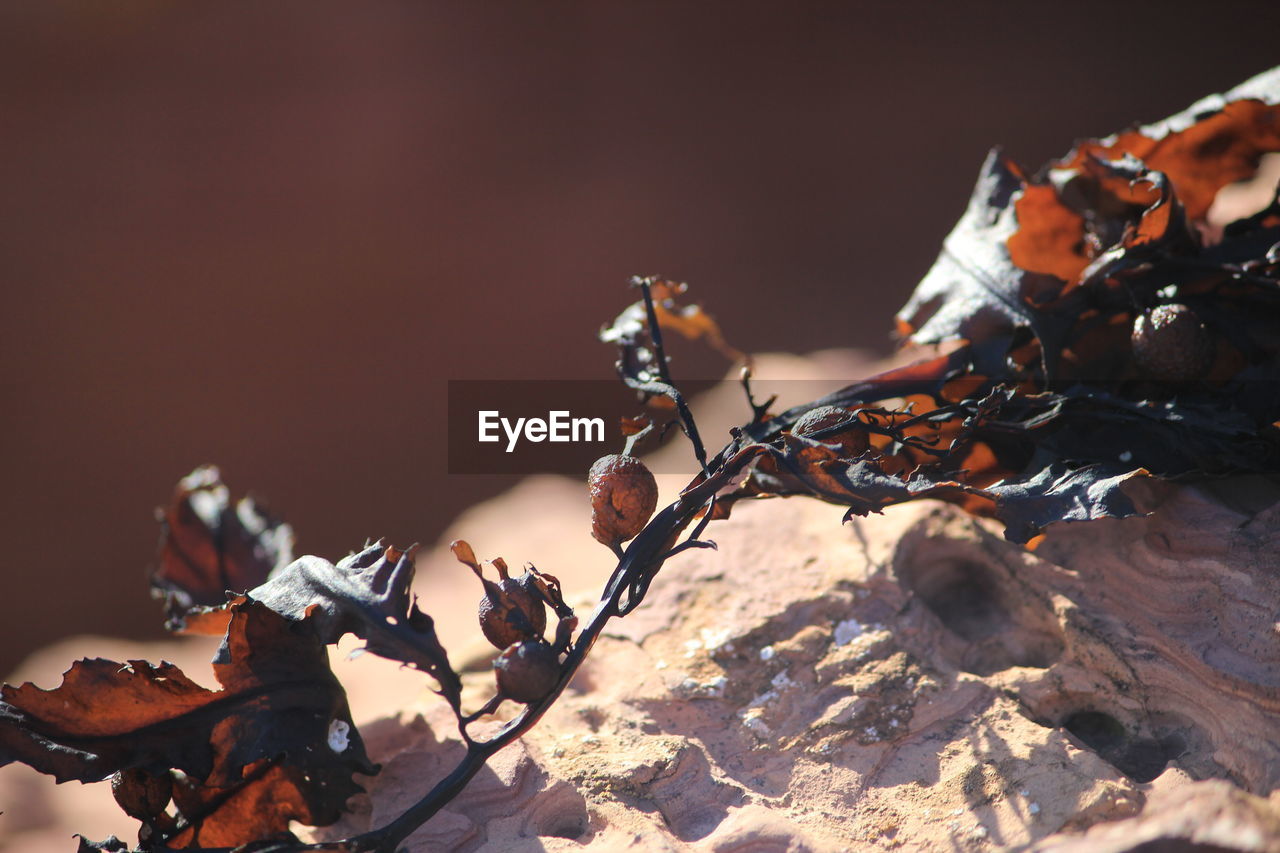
(106, 716)
(261, 805)
(1060, 493)
(1214, 142)
(1040, 284)
(279, 707)
(804, 466)
(367, 594)
(1063, 258)
(210, 547)
(974, 290)
(1055, 493)
(111, 844)
(1029, 460)
(632, 333)
(691, 321)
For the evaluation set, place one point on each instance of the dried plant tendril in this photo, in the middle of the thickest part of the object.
(851, 440)
(461, 549)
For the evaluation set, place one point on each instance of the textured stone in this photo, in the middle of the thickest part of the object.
(905, 681)
(910, 680)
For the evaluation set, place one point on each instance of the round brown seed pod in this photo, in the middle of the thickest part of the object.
(526, 671)
(141, 794)
(623, 497)
(852, 442)
(511, 611)
(1170, 344)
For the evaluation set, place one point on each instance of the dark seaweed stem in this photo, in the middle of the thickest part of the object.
(664, 386)
(625, 590)
(759, 411)
(639, 564)
(925, 378)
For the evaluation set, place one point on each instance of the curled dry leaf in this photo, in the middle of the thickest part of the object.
(369, 594)
(689, 320)
(110, 845)
(210, 547)
(1099, 336)
(264, 738)
(1050, 270)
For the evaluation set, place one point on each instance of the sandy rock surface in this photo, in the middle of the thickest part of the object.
(908, 681)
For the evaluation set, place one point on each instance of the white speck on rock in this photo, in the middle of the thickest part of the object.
(1033, 808)
(714, 639)
(767, 653)
(754, 721)
(339, 735)
(848, 631)
(693, 689)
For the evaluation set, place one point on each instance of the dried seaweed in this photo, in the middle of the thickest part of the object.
(1096, 331)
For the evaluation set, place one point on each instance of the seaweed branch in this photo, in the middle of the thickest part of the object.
(1149, 350)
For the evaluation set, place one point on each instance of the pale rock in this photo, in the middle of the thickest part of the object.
(907, 681)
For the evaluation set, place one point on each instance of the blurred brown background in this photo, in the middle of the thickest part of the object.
(266, 235)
